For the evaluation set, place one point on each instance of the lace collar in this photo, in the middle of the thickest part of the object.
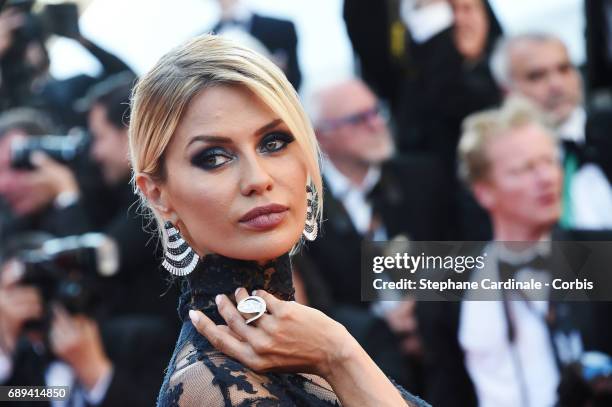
(216, 274)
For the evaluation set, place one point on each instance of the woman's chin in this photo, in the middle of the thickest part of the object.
(259, 248)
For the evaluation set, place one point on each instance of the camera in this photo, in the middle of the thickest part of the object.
(70, 270)
(63, 149)
(587, 382)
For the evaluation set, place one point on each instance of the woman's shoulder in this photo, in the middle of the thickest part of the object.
(207, 377)
(199, 375)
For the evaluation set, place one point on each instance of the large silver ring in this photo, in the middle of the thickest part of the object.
(252, 305)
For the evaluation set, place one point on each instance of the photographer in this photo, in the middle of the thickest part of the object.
(75, 340)
(102, 363)
(73, 209)
(24, 60)
(28, 195)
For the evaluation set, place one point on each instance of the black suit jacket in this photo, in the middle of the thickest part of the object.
(280, 38)
(411, 198)
(599, 61)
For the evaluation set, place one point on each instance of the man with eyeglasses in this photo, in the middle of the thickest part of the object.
(538, 66)
(370, 193)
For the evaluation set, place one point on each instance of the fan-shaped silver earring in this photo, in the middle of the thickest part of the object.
(179, 257)
(311, 227)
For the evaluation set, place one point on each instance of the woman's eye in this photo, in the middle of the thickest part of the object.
(215, 160)
(275, 142)
(211, 159)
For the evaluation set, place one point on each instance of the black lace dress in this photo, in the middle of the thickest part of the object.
(199, 375)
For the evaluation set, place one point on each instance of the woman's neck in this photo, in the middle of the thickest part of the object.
(216, 274)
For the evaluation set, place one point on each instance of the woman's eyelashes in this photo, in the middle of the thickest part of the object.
(211, 158)
(276, 141)
(215, 157)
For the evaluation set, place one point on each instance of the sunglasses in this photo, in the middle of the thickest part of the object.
(356, 119)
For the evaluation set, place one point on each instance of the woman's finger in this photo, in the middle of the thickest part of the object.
(241, 294)
(233, 318)
(272, 303)
(227, 329)
(220, 338)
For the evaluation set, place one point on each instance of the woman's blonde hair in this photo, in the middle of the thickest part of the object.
(162, 95)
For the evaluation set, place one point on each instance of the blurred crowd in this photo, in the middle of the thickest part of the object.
(449, 130)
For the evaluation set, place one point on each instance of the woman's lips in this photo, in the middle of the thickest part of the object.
(264, 217)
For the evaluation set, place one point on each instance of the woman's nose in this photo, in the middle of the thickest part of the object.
(255, 177)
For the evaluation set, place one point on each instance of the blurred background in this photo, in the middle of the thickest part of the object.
(157, 26)
(461, 120)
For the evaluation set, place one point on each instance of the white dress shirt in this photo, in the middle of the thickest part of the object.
(425, 22)
(354, 197)
(592, 208)
(508, 374)
(497, 368)
(573, 128)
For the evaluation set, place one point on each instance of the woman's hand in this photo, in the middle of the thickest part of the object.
(298, 339)
(289, 338)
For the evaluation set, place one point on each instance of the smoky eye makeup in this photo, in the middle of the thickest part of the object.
(211, 158)
(275, 141)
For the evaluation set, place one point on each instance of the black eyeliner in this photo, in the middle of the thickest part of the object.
(199, 159)
(283, 136)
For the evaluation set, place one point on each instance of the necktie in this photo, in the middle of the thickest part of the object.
(508, 270)
(571, 162)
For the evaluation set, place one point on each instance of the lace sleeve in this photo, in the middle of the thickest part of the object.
(190, 384)
(199, 375)
(212, 379)
(217, 380)
(411, 400)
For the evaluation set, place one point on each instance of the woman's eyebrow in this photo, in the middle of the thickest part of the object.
(228, 140)
(210, 139)
(268, 126)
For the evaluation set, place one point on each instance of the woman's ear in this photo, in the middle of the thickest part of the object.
(154, 194)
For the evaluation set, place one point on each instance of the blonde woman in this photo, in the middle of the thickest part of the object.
(227, 161)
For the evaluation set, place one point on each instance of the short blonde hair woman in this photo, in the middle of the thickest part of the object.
(227, 161)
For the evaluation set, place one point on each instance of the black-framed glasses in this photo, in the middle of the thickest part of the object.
(355, 119)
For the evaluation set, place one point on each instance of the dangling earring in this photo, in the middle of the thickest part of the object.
(179, 257)
(312, 209)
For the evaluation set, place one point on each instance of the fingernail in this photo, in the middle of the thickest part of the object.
(218, 299)
(194, 316)
(236, 292)
(254, 292)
